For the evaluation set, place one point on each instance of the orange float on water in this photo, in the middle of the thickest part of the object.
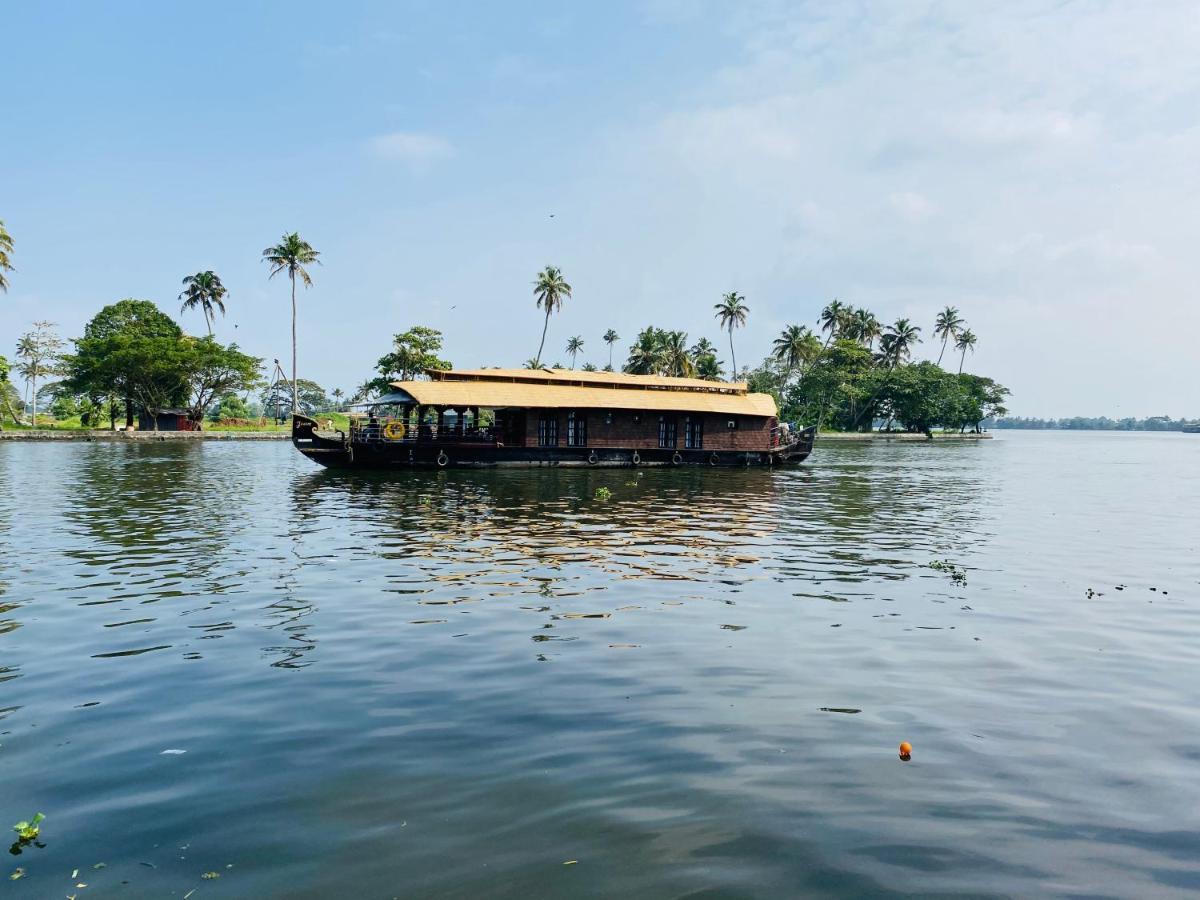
(905, 750)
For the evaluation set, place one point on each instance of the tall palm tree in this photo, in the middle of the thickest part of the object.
(338, 394)
(731, 313)
(966, 341)
(6, 249)
(610, 338)
(291, 255)
(550, 289)
(676, 359)
(574, 345)
(866, 327)
(949, 324)
(898, 341)
(833, 319)
(204, 289)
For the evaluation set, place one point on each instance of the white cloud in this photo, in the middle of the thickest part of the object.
(414, 149)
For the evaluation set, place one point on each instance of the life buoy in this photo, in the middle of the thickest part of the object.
(637, 459)
(394, 431)
(676, 458)
(593, 458)
(442, 459)
(714, 459)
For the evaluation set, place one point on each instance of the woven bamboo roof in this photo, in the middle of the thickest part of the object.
(499, 394)
(573, 377)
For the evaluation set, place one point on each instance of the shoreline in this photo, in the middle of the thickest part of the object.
(860, 436)
(161, 436)
(135, 436)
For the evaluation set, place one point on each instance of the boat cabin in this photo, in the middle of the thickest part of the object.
(560, 417)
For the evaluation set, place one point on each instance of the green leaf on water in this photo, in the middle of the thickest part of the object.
(27, 831)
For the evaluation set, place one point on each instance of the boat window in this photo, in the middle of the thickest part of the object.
(548, 430)
(666, 431)
(693, 433)
(576, 429)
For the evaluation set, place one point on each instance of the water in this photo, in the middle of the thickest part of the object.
(382, 688)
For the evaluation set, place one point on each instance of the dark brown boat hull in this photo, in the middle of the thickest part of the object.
(335, 451)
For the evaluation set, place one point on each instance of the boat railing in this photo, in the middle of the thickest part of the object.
(387, 430)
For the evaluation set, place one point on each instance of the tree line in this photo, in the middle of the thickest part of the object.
(852, 372)
(1093, 423)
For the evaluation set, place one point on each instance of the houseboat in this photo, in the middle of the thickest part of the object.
(555, 417)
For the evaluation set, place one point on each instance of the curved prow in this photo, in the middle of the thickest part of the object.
(325, 450)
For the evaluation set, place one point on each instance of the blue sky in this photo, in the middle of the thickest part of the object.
(1032, 163)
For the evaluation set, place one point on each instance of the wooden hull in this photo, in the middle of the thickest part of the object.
(335, 451)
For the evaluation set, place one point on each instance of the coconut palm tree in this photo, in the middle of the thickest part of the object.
(675, 357)
(646, 355)
(291, 255)
(866, 327)
(574, 345)
(204, 289)
(731, 313)
(833, 319)
(796, 346)
(703, 347)
(949, 324)
(550, 288)
(6, 249)
(338, 394)
(610, 338)
(966, 341)
(898, 340)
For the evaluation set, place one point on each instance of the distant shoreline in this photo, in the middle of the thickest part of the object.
(825, 436)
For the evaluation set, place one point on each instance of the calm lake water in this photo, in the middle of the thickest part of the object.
(452, 685)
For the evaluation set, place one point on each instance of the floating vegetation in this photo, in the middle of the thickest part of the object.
(848, 710)
(735, 627)
(603, 493)
(28, 831)
(209, 876)
(17, 875)
(957, 574)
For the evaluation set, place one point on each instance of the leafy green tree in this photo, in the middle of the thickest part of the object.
(8, 393)
(413, 352)
(231, 406)
(204, 290)
(610, 338)
(588, 367)
(837, 389)
(40, 355)
(310, 395)
(731, 312)
(574, 348)
(211, 370)
(291, 255)
(966, 341)
(97, 370)
(947, 326)
(550, 289)
(6, 249)
(64, 406)
(922, 396)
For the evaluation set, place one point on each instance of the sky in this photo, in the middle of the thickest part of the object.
(1036, 165)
